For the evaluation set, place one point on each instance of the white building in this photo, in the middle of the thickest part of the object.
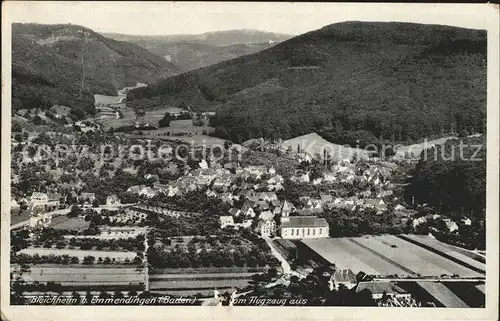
(113, 200)
(302, 227)
(266, 227)
(226, 221)
(39, 199)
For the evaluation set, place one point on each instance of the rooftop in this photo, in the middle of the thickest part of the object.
(380, 287)
(305, 221)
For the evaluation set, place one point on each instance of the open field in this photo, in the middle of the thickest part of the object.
(386, 255)
(65, 223)
(195, 139)
(79, 253)
(415, 149)
(198, 285)
(108, 100)
(212, 276)
(447, 250)
(313, 144)
(191, 281)
(16, 218)
(84, 275)
(127, 120)
(443, 294)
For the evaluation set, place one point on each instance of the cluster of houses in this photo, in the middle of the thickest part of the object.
(219, 181)
(347, 172)
(251, 191)
(85, 126)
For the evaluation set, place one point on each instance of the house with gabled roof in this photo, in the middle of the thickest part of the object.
(211, 193)
(303, 178)
(276, 179)
(345, 277)
(262, 205)
(234, 211)
(135, 189)
(276, 203)
(246, 193)
(148, 192)
(263, 197)
(377, 204)
(256, 169)
(305, 200)
(275, 187)
(247, 208)
(221, 182)
(266, 215)
(254, 198)
(113, 200)
(317, 181)
(266, 227)
(272, 196)
(227, 198)
(14, 204)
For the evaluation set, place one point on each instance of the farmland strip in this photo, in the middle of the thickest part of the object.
(433, 250)
(383, 257)
(236, 277)
(443, 294)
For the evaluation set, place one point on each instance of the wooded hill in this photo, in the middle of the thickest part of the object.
(354, 80)
(189, 52)
(48, 63)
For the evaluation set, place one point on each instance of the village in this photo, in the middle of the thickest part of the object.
(126, 225)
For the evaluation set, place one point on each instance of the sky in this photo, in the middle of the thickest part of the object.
(155, 18)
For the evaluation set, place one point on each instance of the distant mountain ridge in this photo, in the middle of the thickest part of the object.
(216, 38)
(352, 81)
(50, 61)
(190, 52)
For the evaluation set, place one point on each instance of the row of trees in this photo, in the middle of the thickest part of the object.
(130, 244)
(158, 257)
(344, 222)
(67, 259)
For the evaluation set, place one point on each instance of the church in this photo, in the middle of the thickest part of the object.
(301, 227)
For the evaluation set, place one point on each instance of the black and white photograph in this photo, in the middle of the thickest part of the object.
(284, 155)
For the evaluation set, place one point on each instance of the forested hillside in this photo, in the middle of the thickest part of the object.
(374, 82)
(451, 180)
(67, 64)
